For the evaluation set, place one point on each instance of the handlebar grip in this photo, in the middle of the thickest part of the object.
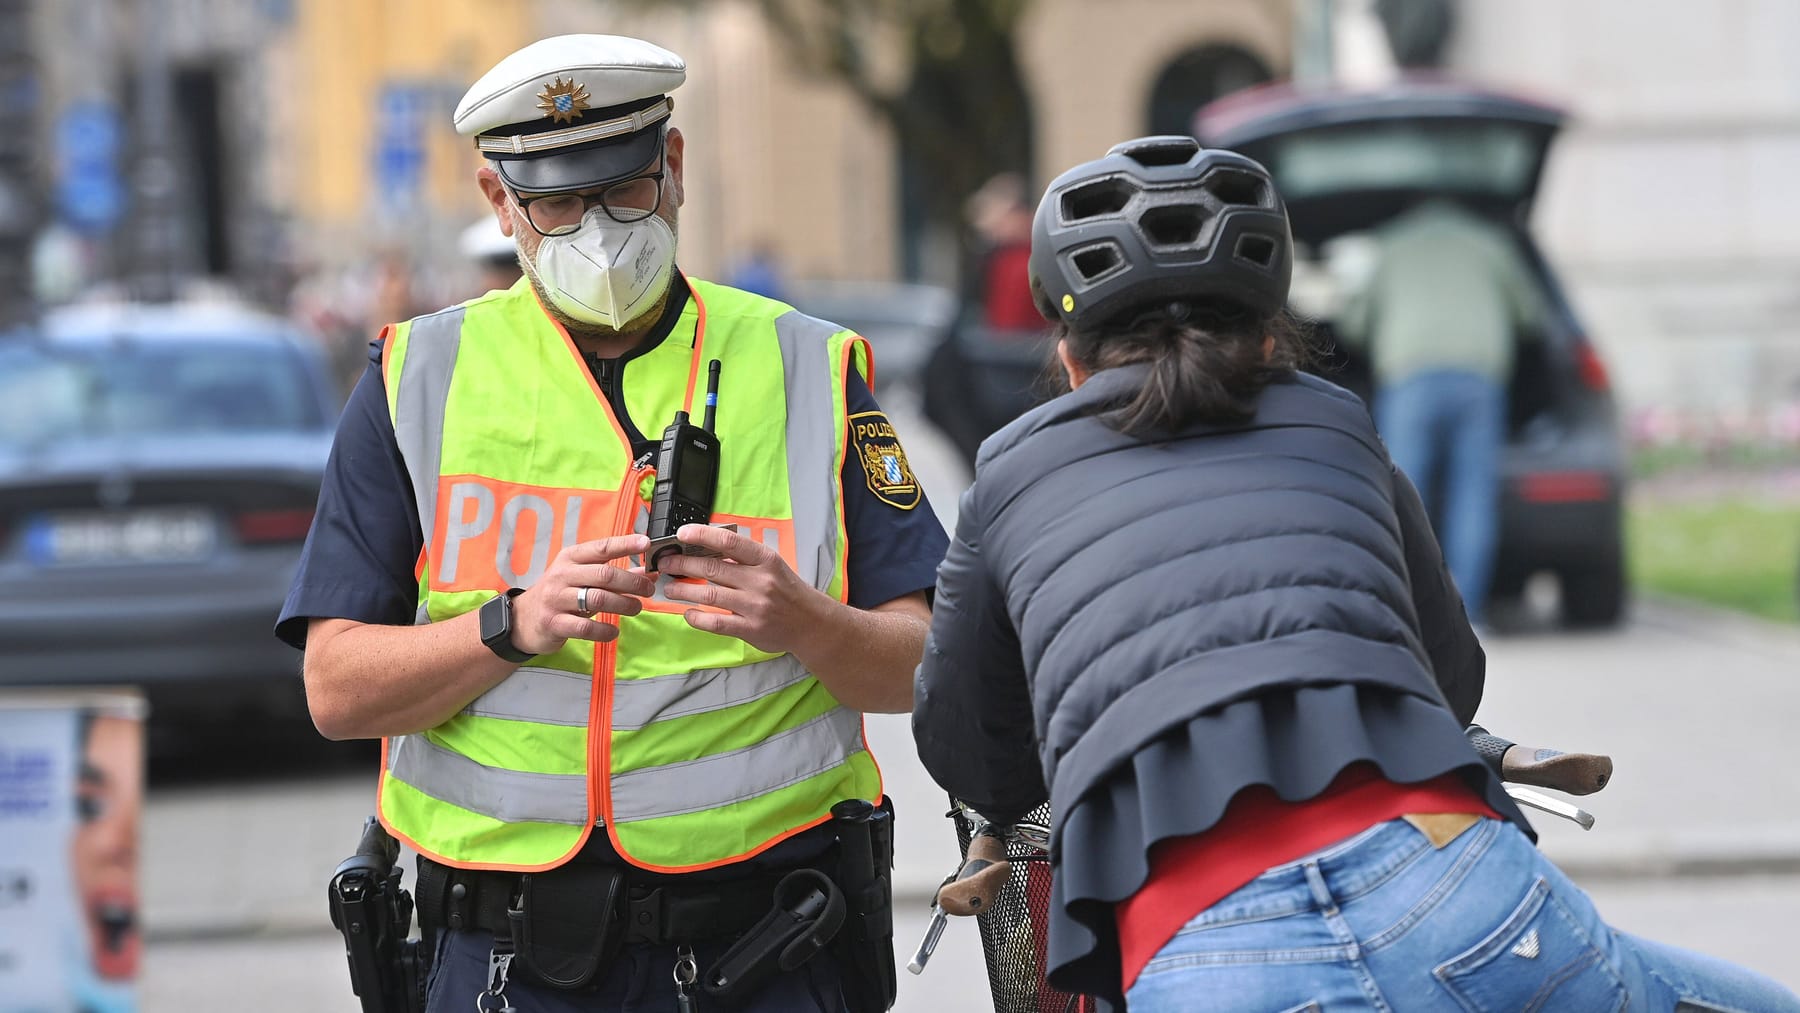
(973, 889)
(1571, 773)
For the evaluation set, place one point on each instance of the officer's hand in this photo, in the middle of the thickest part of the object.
(766, 603)
(549, 613)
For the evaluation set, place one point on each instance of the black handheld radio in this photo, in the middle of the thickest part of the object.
(687, 474)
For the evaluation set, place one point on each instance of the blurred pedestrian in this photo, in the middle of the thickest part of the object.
(493, 253)
(1000, 214)
(395, 295)
(1449, 298)
(611, 776)
(1193, 604)
(333, 302)
(760, 271)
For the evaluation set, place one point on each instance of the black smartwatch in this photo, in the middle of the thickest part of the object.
(497, 626)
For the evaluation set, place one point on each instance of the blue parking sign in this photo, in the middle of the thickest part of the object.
(90, 191)
(400, 114)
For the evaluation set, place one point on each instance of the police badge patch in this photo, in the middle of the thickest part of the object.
(884, 464)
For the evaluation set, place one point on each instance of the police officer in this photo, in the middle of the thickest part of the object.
(604, 771)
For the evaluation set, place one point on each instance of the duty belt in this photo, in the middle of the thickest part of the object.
(656, 910)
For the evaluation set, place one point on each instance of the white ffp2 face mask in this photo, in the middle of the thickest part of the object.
(606, 273)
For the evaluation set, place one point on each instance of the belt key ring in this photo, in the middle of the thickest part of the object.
(498, 966)
(687, 971)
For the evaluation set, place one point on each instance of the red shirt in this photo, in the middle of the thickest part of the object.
(1006, 296)
(1258, 832)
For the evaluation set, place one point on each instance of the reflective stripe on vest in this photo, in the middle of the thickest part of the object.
(504, 784)
(672, 790)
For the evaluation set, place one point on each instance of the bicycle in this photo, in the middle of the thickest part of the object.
(1003, 879)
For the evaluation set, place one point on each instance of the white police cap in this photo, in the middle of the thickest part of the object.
(573, 111)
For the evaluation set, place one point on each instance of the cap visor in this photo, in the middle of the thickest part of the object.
(583, 168)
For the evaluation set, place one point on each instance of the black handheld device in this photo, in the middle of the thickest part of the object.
(687, 473)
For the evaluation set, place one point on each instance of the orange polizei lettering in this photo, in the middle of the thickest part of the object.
(492, 534)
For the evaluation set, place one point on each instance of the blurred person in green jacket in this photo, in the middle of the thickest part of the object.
(1448, 298)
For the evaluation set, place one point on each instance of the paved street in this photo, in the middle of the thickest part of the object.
(1694, 707)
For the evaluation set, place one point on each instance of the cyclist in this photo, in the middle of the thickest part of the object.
(1193, 604)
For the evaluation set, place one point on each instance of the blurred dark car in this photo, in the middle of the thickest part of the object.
(1346, 162)
(159, 466)
(903, 321)
(1349, 161)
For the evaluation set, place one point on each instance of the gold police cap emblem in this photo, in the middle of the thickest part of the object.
(884, 464)
(564, 101)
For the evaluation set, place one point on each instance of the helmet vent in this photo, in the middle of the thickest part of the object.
(1258, 250)
(1236, 188)
(1160, 151)
(1173, 226)
(1096, 261)
(1096, 199)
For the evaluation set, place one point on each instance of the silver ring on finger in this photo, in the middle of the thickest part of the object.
(581, 601)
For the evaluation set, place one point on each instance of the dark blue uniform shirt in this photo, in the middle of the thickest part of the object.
(358, 559)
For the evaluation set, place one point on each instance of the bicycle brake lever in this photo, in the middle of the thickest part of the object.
(928, 945)
(1553, 806)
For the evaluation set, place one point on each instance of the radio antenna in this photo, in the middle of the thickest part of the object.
(712, 394)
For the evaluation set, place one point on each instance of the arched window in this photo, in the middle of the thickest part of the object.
(1195, 78)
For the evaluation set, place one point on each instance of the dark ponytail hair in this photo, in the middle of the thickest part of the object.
(1207, 364)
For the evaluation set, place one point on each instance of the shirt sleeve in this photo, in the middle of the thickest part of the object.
(896, 541)
(358, 559)
(1457, 660)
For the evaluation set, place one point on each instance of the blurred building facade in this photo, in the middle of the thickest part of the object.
(315, 132)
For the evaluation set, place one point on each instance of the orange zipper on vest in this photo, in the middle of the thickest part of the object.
(625, 508)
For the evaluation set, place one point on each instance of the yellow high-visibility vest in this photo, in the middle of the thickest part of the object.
(690, 748)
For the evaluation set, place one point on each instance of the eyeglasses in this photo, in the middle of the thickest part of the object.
(627, 201)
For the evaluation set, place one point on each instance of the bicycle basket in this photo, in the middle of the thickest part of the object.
(1014, 928)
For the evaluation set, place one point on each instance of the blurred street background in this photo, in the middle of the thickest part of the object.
(209, 207)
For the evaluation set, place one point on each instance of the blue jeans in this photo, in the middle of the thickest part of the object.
(641, 980)
(1447, 428)
(1384, 921)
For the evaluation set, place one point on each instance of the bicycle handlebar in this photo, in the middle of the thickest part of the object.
(1570, 773)
(969, 891)
(973, 889)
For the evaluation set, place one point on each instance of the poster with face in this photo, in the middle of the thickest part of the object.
(71, 799)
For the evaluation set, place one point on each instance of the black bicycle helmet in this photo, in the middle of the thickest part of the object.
(1159, 220)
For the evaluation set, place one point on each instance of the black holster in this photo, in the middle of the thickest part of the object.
(387, 970)
(864, 948)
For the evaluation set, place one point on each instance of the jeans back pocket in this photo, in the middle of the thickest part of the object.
(1538, 959)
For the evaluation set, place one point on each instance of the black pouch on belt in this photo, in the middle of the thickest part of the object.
(568, 924)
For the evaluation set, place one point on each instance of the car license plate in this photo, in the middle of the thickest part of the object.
(136, 536)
